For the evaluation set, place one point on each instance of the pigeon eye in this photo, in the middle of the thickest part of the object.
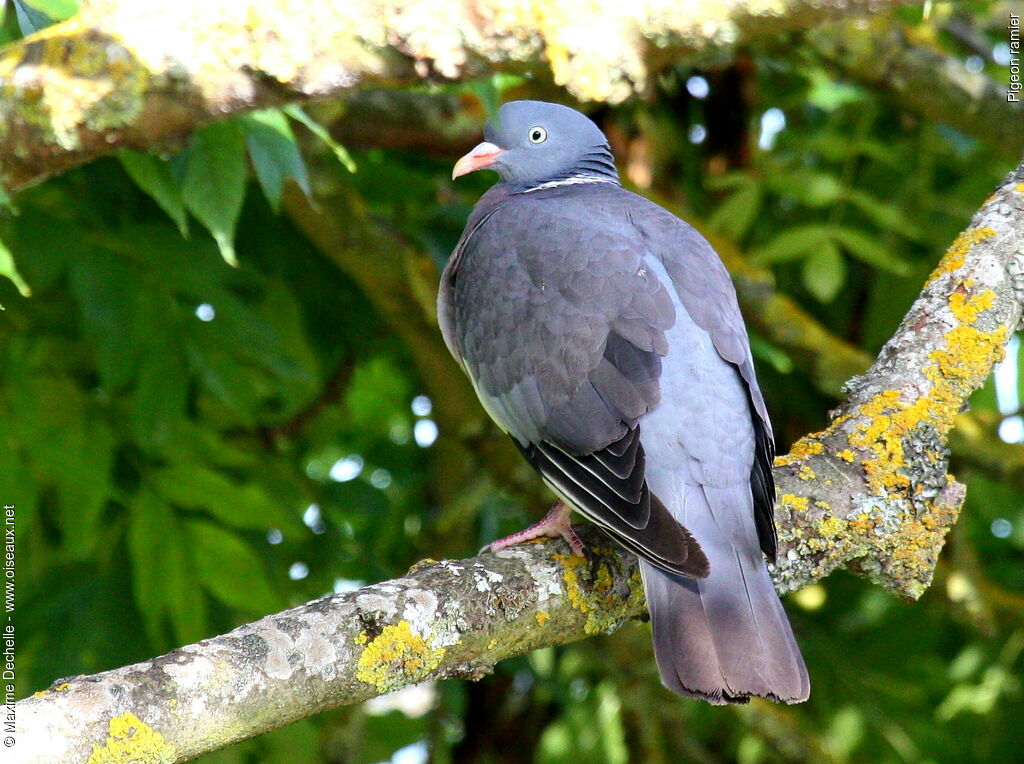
(538, 134)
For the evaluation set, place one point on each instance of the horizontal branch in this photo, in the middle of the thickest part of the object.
(123, 74)
(442, 619)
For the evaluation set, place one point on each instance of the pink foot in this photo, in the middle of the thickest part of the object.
(555, 524)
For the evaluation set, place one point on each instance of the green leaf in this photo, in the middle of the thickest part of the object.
(791, 244)
(298, 741)
(274, 153)
(153, 175)
(30, 20)
(736, 214)
(869, 250)
(229, 569)
(824, 272)
(726, 180)
(240, 505)
(486, 91)
(295, 112)
(884, 215)
(161, 390)
(8, 269)
(213, 187)
(829, 94)
(58, 10)
(43, 245)
(150, 523)
(810, 187)
(772, 354)
(163, 575)
(108, 298)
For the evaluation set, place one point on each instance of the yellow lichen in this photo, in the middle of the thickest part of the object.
(806, 473)
(966, 307)
(572, 581)
(491, 644)
(396, 657)
(957, 252)
(862, 523)
(791, 501)
(831, 527)
(131, 740)
(967, 358)
(822, 504)
(846, 455)
(361, 638)
(806, 446)
(881, 432)
(421, 564)
(62, 687)
(955, 370)
(602, 605)
(542, 617)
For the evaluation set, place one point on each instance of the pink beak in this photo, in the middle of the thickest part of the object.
(481, 156)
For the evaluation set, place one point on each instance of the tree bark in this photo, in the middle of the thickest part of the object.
(870, 492)
(121, 74)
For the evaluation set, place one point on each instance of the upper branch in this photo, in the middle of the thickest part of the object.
(121, 73)
(923, 80)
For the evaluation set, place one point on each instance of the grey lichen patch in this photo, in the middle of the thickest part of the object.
(281, 657)
(926, 458)
(191, 670)
(1015, 272)
(817, 540)
(911, 544)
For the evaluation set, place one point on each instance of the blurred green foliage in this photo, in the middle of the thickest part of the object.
(191, 445)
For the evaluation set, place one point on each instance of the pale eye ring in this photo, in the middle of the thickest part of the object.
(537, 134)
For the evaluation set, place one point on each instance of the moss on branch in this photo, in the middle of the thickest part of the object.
(123, 74)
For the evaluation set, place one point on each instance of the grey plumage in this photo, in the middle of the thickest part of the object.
(602, 333)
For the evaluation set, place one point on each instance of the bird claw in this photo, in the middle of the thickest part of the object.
(555, 524)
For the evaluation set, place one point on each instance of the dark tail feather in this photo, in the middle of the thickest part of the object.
(726, 637)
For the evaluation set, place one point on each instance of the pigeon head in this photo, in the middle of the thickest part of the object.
(533, 142)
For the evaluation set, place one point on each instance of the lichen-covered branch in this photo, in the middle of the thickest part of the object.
(872, 490)
(442, 619)
(121, 73)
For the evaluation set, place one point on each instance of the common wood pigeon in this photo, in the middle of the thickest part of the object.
(602, 334)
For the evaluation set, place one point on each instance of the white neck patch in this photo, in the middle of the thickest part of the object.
(575, 180)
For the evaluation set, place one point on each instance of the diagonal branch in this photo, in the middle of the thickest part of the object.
(873, 488)
(870, 492)
(120, 74)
